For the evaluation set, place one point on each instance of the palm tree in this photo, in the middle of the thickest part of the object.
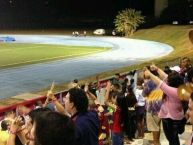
(127, 21)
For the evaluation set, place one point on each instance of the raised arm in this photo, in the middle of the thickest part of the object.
(14, 128)
(59, 106)
(108, 88)
(98, 82)
(154, 78)
(161, 73)
(88, 93)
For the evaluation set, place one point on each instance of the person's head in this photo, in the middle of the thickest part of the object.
(117, 75)
(140, 81)
(23, 110)
(175, 80)
(76, 101)
(130, 90)
(4, 125)
(190, 109)
(113, 97)
(38, 111)
(152, 70)
(74, 84)
(9, 114)
(53, 128)
(32, 115)
(115, 86)
(167, 70)
(120, 100)
(190, 75)
(185, 62)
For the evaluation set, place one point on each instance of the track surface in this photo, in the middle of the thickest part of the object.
(124, 52)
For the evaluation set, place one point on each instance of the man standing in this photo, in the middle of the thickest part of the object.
(86, 122)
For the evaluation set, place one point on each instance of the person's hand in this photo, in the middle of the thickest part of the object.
(16, 125)
(108, 87)
(147, 73)
(153, 67)
(96, 102)
(50, 95)
(86, 87)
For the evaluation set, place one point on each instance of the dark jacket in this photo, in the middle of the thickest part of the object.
(87, 128)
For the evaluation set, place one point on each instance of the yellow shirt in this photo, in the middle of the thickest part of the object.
(4, 136)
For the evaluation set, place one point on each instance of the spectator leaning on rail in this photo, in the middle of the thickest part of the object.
(171, 111)
(86, 122)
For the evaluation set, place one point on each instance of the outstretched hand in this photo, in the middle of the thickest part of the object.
(108, 87)
(16, 124)
(146, 72)
(50, 95)
(153, 67)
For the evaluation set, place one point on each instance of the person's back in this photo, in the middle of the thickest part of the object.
(87, 128)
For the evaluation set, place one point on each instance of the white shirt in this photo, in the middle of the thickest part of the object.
(139, 97)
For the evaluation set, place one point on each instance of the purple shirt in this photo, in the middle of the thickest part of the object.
(172, 106)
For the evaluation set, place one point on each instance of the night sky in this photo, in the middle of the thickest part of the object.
(16, 12)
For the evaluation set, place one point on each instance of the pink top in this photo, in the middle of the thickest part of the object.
(172, 106)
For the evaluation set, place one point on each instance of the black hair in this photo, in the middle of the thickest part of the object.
(4, 125)
(117, 74)
(122, 104)
(175, 80)
(167, 70)
(75, 81)
(131, 98)
(116, 85)
(191, 96)
(79, 98)
(53, 128)
(190, 75)
(34, 113)
(132, 81)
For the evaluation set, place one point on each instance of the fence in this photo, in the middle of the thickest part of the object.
(60, 95)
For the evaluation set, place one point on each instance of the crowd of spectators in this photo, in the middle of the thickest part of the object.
(115, 113)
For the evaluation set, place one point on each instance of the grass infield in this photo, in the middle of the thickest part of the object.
(14, 54)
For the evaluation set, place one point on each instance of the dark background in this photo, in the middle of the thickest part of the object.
(25, 14)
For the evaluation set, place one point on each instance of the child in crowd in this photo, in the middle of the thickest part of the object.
(120, 115)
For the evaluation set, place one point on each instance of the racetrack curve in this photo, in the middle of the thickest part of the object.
(124, 52)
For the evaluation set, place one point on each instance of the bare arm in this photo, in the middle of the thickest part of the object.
(21, 134)
(108, 87)
(59, 106)
(46, 102)
(91, 95)
(161, 73)
(15, 126)
(98, 82)
(154, 78)
(88, 93)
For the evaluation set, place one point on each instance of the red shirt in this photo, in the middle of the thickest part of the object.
(116, 128)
